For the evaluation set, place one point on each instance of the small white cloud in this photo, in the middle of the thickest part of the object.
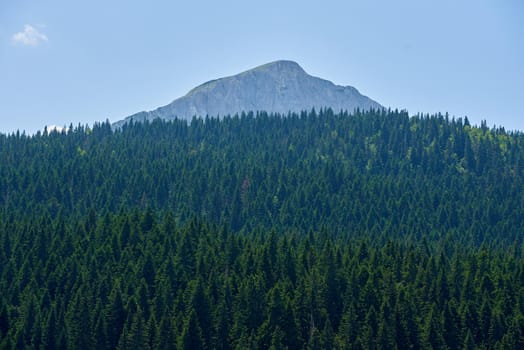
(29, 37)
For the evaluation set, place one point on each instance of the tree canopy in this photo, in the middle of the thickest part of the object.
(315, 230)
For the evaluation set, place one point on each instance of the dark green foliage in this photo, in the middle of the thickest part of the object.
(226, 305)
(378, 173)
(314, 231)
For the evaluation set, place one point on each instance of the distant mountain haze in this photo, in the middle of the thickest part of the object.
(276, 87)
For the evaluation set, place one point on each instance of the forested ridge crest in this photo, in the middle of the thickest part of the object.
(311, 230)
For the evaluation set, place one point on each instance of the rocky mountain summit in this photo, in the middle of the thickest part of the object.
(276, 87)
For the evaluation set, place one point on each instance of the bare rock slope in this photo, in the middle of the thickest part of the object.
(278, 87)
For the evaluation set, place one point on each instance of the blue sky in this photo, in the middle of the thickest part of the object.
(65, 62)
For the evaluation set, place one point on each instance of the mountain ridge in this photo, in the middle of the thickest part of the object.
(281, 86)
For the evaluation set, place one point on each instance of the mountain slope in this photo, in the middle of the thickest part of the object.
(276, 87)
(323, 230)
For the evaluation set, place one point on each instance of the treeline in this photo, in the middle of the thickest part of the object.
(316, 230)
(368, 173)
(133, 281)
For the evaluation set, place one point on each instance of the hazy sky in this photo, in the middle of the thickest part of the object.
(70, 61)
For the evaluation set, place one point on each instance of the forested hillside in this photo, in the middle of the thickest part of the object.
(319, 230)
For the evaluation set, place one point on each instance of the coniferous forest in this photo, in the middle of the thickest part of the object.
(318, 230)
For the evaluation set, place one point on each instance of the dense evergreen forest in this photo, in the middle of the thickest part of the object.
(317, 230)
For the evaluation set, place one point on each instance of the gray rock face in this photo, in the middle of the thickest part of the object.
(277, 87)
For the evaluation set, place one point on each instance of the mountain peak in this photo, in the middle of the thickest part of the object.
(280, 66)
(277, 87)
